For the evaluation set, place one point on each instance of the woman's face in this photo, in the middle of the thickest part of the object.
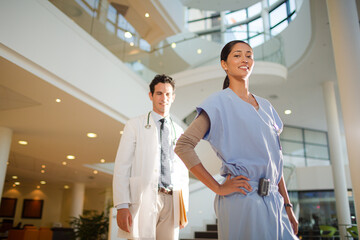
(240, 61)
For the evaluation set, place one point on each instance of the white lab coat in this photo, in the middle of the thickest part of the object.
(136, 176)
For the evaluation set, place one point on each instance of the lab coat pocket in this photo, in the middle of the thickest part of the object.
(135, 189)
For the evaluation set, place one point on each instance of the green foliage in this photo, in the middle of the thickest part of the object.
(90, 226)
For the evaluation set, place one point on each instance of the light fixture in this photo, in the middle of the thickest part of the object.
(287, 112)
(173, 45)
(17, 183)
(22, 142)
(199, 51)
(92, 135)
(64, 163)
(43, 182)
(58, 100)
(147, 15)
(132, 44)
(43, 166)
(70, 157)
(14, 185)
(121, 132)
(95, 172)
(14, 177)
(128, 34)
(66, 186)
(42, 171)
(38, 186)
(102, 160)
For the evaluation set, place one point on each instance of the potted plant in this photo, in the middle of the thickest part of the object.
(90, 226)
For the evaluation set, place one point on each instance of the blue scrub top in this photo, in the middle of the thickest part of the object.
(245, 139)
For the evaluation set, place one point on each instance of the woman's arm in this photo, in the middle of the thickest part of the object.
(289, 209)
(185, 149)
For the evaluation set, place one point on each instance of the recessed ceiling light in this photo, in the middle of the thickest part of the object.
(92, 135)
(22, 142)
(17, 183)
(66, 186)
(42, 171)
(43, 166)
(128, 34)
(147, 15)
(58, 100)
(121, 132)
(199, 51)
(132, 44)
(14, 177)
(173, 45)
(70, 157)
(64, 163)
(102, 160)
(43, 182)
(287, 112)
(95, 172)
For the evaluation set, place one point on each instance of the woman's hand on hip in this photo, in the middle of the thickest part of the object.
(235, 184)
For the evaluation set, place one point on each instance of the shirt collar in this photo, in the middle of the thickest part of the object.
(157, 116)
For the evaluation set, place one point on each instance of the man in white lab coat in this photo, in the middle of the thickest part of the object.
(148, 175)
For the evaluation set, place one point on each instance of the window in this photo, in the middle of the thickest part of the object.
(305, 147)
(254, 9)
(235, 17)
(277, 15)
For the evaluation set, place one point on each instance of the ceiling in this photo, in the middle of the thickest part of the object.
(55, 130)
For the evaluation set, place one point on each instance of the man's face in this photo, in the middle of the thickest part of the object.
(162, 98)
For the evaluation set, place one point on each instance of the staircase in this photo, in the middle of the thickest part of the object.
(210, 233)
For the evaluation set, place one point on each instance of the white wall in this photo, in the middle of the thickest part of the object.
(70, 58)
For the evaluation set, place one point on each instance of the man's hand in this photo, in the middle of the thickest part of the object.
(124, 219)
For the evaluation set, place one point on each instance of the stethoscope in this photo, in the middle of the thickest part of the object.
(148, 126)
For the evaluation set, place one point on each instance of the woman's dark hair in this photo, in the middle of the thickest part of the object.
(224, 55)
(161, 79)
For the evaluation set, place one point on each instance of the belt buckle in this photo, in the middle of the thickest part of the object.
(165, 190)
(264, 185)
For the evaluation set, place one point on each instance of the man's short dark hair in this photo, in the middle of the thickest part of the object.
(161, 79)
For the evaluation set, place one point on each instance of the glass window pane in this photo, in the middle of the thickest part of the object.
(317, 162)
(278, 14)
(94, 4)
(297, 161)
(256, 27)
(316, 151)
(293, 16)
(256, 41)
(236, 33)
(279, 28)
(315, 137)
(194, 14)
(110, 27)
(292, 5)
(111, 15)
(144, 45)
(271, 2)
(235, 17)
(291, 148)
(196, 26)
(290, 133)
(254, 9)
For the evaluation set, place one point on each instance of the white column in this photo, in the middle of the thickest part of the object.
(337, 162)
(345, 33)
(78, 195)
(108, 201)
(266, 20)
(5, 142)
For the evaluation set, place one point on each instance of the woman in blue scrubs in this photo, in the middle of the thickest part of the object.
(243, 129)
